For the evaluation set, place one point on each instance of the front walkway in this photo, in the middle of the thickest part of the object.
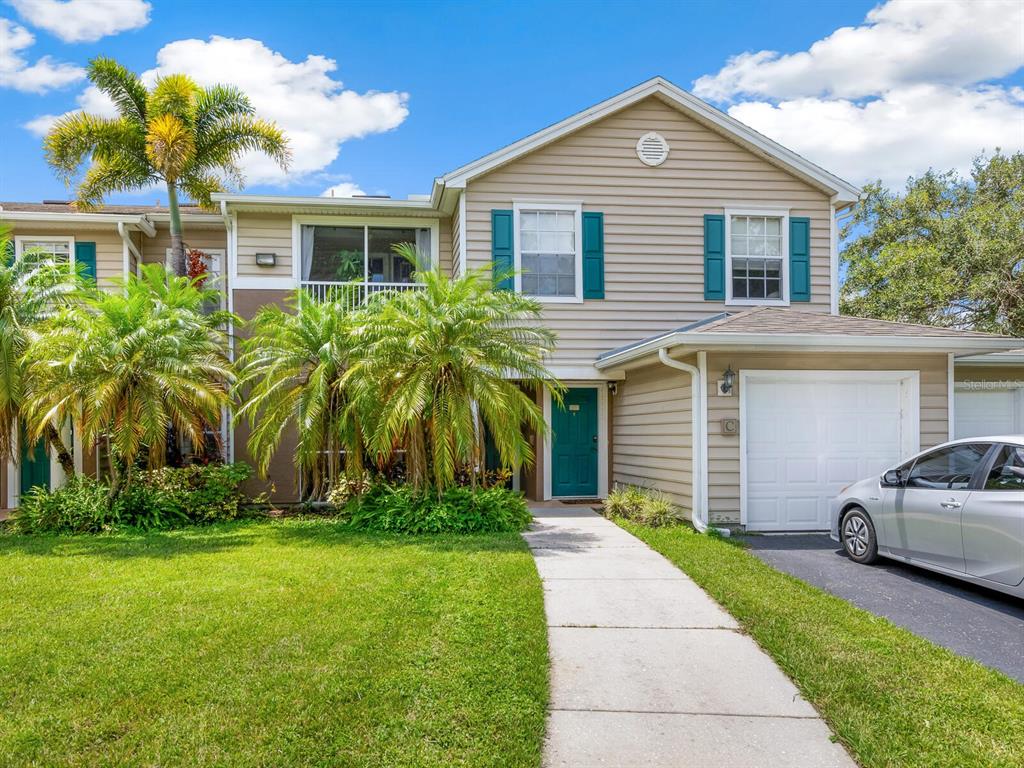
(647, 670)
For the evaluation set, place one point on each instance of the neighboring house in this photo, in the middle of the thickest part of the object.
(690, 269)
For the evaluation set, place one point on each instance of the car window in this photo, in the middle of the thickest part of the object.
(947, 468)
(1007, 473)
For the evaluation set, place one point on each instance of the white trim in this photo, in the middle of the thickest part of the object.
(13, 479)
(327, 203)
(463, 250)
(275, 283)
(543, 205)
(139, 221)
(705, 488)
(808, 342)
(704, 112)
(298, 220)
(49, 238)
(602, 437)
(910, 407)
(950, 399)
(833, 259)
(780, 213)
(989, 360)
(584, 373)
(698, 451)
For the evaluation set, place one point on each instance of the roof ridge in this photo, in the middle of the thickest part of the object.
(900, 323)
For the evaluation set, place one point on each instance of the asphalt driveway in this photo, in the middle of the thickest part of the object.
(971, 621)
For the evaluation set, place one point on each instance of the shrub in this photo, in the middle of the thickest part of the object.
(402, 509)
(79, 506)
(347, 488)
(171, 497)
(161, 498)
(642, 505)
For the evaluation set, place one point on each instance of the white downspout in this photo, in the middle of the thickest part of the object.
(698, 426)
(127, 239)
(230, 255)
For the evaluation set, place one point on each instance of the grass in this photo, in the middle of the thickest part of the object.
(893, 699)
(270, 644)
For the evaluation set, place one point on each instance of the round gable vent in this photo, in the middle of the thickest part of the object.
(652, 149)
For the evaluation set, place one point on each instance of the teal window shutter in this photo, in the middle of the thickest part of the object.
(799, 259)
(714, 257)
(502, 258)
(85, 254)
(593, 255)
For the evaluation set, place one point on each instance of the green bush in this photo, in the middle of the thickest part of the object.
(347, 488)
(401, 509)
(79, 506)
(157, 499)
(642, 505)
(172, 497)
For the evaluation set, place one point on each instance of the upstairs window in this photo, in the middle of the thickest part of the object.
(341, 254)
(756, 258)
(548, 256)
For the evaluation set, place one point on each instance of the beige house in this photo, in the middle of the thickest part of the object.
(689, 266)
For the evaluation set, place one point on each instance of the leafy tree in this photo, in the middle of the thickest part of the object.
(436, 365)
(290, 373)
(188, 137)
(123, 365)
(948, 251)
(32, 289)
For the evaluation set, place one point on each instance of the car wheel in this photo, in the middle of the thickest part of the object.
(859, 538)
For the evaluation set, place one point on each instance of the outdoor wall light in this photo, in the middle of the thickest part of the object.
(266, 259)
(613, 388)
(727, 380)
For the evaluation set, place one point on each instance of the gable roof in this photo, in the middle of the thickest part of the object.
(784, 328)
(700, 110)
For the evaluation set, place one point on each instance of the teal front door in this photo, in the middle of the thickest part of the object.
(35, 465)
(574, 448)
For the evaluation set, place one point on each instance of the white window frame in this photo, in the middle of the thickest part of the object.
(780, 213)
(19, 241)
(434, 225)
(540, 205)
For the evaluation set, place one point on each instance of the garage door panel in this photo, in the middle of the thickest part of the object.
(982, 412)
(806, 439)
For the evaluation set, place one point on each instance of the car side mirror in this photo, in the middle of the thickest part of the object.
(893, 478)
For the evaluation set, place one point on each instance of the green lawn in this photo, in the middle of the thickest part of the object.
(270, 644)
(893, 698)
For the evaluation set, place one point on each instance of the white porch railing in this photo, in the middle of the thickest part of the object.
(353, 294)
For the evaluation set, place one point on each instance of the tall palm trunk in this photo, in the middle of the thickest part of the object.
(177, 244)
(67, 462)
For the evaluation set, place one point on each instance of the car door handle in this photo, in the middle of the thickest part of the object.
(951, 504)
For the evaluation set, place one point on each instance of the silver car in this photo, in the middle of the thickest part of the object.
(957, 509)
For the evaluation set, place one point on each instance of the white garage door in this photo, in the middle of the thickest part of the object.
(807, 434)
(998, 411)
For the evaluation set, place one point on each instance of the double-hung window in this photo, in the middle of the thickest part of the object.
(548, 251)
(757, 264)
(60, 249)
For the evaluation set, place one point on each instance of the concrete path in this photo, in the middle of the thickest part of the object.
(647, 670)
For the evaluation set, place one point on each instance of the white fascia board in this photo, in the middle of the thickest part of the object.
(990, 360)
(188, 218)
(238, 201)
(135, 220)
(843, 191)
(811, 343)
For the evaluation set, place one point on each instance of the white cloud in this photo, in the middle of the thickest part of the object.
(315, 111)
(903, 133)
(901, 43)
(42, 76)
(893, 97)
(83, 21)
(343, 189)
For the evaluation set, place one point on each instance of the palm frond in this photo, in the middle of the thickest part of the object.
(123, 87)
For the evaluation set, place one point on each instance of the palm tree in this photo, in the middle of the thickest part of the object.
(123, 365)
(290, 371)
(32, 289)
(441, 363)
(188, 137)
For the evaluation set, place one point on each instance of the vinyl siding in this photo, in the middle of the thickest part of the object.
(456, 243)
(445, 245)
(154, 249)
(109, 246)
(989, 373)
(724, 450)
(264, 233)
(653, 220)
(652, 442)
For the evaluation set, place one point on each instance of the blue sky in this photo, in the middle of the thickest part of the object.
(457, 80)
